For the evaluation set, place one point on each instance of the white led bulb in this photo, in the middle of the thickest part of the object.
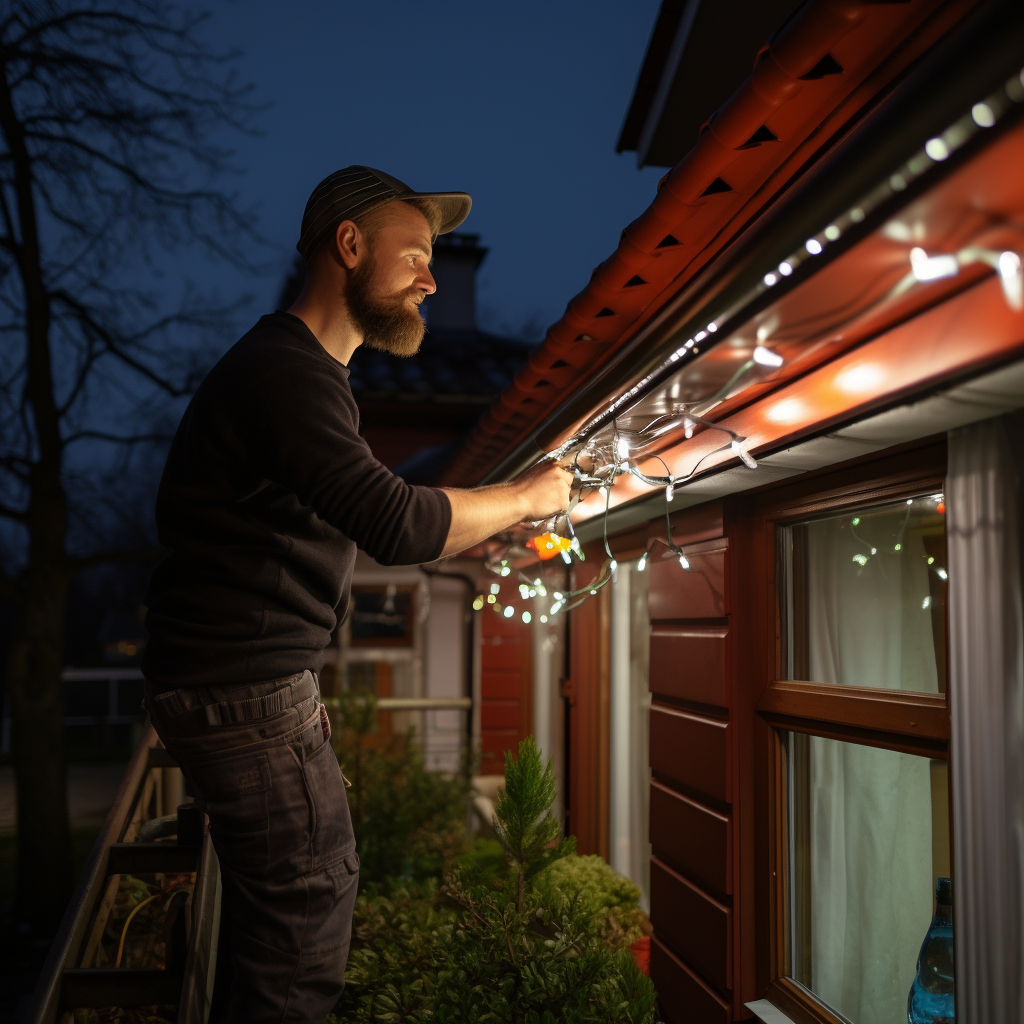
(766, 357)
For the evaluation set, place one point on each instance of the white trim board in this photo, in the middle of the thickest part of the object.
(991, 394)
(767, 1013)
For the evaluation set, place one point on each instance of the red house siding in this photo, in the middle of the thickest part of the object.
(692, 820)
(504, 689)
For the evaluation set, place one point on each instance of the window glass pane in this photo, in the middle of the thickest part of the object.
(866, 597)
(868, 843)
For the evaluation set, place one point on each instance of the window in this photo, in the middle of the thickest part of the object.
(866, 596)
(857, 794)
(868, 840)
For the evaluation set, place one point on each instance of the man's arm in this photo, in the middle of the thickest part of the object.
(478, 514)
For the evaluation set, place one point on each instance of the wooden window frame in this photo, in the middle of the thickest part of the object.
(899, 720)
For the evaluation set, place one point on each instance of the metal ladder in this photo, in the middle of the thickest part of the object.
(71, 979)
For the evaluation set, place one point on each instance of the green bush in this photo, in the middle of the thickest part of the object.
(472, 956)
(609, 904)
(409, 823)
(484, 863)
(495, 943)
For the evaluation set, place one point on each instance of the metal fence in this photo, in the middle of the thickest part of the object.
(102, 706)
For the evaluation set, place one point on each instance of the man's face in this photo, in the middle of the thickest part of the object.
(387, 287)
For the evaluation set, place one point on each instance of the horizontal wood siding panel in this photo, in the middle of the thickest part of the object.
(501, 683)
(684, 998)
(676, 593)
(501, 655)
(690, 837)
(692, 750)
(693, 924)
(502, 714)
(689, 663)
(493, 744)
(692, 525)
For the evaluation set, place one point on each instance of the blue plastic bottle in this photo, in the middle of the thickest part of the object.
(931, 996)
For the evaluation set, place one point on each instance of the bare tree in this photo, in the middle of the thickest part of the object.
(107, 111)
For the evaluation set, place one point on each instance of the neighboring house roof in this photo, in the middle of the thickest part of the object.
(821, 72)
(462, 367)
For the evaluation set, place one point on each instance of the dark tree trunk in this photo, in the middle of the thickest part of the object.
(105, 110)
(34, 678)
(36, 700)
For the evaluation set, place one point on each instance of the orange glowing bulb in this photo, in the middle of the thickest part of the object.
(547, 545)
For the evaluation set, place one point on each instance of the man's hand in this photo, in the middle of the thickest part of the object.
(544, 490)
(538, 493)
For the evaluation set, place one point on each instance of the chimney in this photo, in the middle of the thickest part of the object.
(456, 259)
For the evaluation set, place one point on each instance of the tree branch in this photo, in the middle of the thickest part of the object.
(115, 345)
(100, 435)
(15, 465)
(17, 515)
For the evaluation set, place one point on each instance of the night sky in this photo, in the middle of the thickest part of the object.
(518, 104)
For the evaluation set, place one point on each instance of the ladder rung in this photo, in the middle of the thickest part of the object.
(84, 987)
(141, 858)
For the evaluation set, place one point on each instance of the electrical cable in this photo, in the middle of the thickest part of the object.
(124, 930)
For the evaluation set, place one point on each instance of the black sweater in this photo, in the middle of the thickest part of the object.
(267, 491)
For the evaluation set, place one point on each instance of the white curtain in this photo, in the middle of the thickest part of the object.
(870, 836)
(869, 625)
(629, 790)
(986, 506)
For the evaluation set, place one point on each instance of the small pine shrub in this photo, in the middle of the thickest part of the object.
(523, 822)
(493, 944)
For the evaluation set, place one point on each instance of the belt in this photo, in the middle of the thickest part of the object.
(288, 694)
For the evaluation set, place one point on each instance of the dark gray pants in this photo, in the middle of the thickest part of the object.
(260, 766)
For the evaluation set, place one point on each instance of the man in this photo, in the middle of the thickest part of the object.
(267, 492)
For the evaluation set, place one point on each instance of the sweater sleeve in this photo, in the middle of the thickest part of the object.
(303, 425)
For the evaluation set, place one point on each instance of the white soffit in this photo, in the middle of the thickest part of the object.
(981, 397)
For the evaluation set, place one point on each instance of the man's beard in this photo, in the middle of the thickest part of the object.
(387, 323)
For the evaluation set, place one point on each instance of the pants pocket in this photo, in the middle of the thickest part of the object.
(235, 793)
(332, 823)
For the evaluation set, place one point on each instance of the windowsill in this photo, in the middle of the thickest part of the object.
(767, 1013)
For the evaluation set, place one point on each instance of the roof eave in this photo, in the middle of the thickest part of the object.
(927, 98)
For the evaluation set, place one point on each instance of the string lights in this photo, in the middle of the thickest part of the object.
(1007, 266)
(862, 559)
(620, 458)
(983, 115)
(629, 448)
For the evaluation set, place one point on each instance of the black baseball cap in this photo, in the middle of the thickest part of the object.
(355, 191)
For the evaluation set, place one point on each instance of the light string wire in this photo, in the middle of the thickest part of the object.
(980, 117)
(567, 600)
(983, 115)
